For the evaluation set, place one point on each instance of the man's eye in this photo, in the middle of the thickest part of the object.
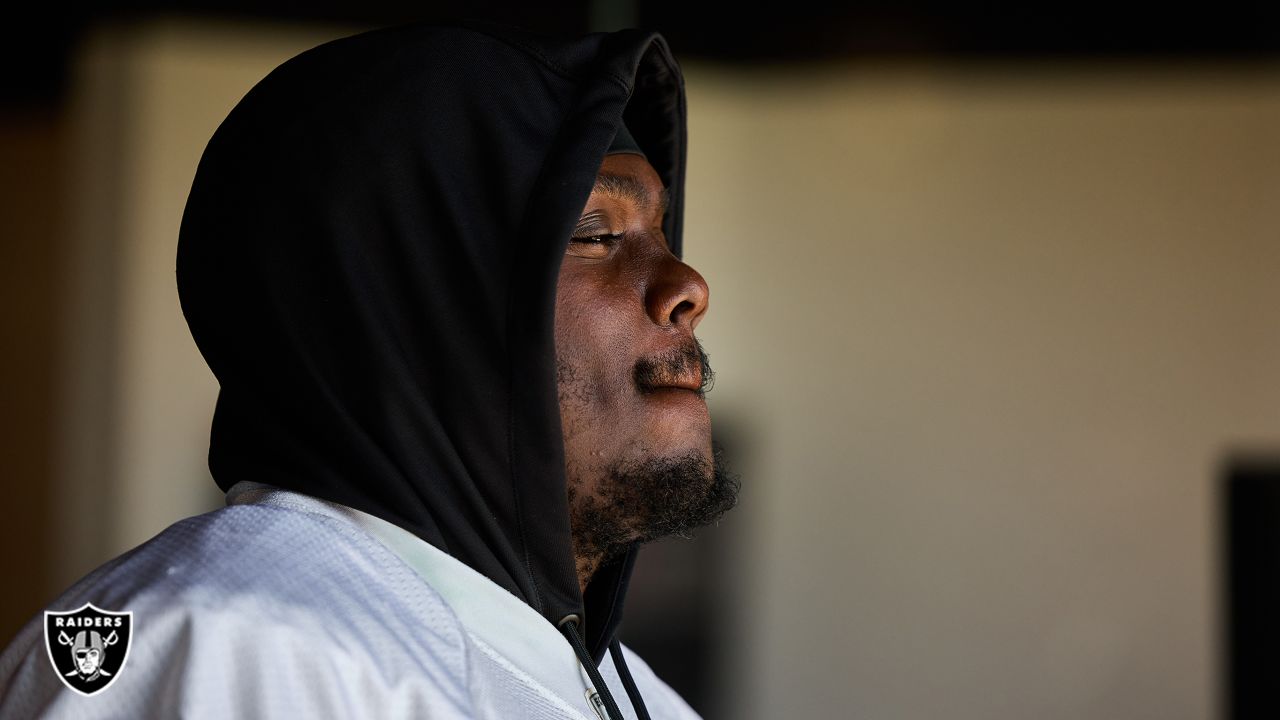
(597, 239)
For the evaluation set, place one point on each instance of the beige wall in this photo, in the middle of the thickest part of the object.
(996, 328)
(992, 329)
(139, 396)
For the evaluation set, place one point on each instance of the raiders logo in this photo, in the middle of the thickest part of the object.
(88, 647)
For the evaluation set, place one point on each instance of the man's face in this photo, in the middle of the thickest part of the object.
(637, 434)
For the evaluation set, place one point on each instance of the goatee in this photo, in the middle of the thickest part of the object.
(657, 498)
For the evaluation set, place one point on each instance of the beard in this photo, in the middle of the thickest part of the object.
(614, 505)
(654, 499)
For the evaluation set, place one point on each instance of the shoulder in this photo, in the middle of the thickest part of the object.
(273, 564)
(263, 612)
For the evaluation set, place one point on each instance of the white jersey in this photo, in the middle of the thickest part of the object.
(285, 606)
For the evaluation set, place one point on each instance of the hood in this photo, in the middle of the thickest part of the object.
(368, 262)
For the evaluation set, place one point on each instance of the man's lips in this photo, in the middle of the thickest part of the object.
(693, 385)
(678, 392)
(682, 398)
(687, 384)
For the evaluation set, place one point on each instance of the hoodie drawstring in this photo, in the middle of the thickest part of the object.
(633, 692)
(569, 626)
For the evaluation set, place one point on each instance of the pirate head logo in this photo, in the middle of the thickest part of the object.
(88, 647)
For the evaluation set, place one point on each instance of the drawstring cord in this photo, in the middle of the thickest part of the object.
(569, 626)
(633, 692)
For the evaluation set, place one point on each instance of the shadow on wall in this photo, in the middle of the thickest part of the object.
(681, 606)
(31, 287)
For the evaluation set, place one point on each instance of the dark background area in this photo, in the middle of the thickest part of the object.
(41, 36)
(1250, 505)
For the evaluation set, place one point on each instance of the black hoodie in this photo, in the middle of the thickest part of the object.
(368, 262)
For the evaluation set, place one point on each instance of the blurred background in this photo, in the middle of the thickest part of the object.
(995, 317)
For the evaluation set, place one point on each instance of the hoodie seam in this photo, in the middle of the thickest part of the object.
(513, 471)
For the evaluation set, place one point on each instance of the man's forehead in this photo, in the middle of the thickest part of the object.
(625, 186)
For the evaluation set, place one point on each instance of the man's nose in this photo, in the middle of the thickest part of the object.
(677, 296)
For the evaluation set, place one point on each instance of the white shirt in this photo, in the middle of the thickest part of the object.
(284, 605)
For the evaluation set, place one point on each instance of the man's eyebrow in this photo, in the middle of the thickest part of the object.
(631, 188)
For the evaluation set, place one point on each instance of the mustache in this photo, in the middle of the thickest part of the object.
(687, 362)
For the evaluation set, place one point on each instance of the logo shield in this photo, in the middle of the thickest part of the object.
(88, 646)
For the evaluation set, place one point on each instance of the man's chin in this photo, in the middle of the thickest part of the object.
(696, 490)
(673, 417)
(672, 494)
(671, 435)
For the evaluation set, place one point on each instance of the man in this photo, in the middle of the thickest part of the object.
(436, 272)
